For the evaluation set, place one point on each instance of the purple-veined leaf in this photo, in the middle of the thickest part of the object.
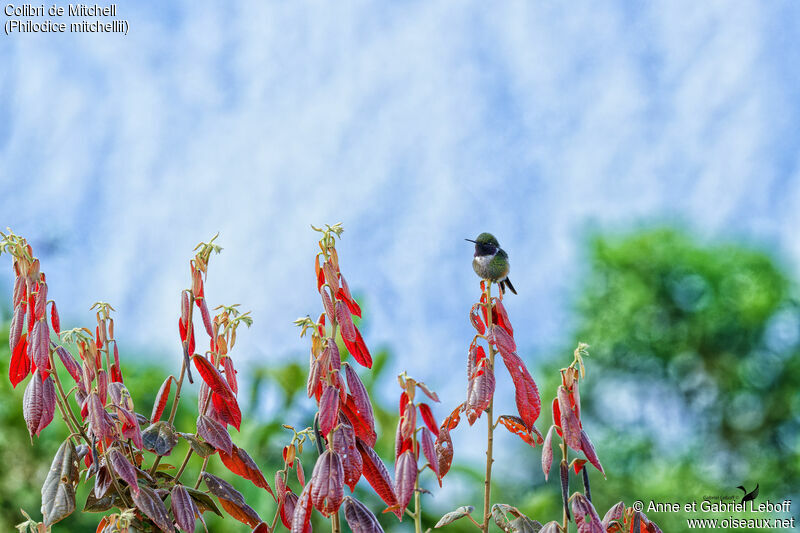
(405, 474)
(214, 433)
(328, 483)
(359, 518)
(123, 468)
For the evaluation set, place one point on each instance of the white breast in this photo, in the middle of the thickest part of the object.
(483, 260)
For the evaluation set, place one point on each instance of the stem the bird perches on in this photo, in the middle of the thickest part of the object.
(487, 489)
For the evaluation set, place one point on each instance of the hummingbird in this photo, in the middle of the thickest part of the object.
(491, 262)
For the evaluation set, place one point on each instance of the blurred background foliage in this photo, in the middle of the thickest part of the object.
(691, 390)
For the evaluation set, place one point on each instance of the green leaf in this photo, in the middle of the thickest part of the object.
(100, 505)
(203, 449)
(511, 520)
(452, 516)
(160, 438)
(58, 491)
(203, 501)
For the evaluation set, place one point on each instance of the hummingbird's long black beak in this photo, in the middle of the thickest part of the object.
(470, 240)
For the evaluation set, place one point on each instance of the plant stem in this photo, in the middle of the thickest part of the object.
(417, 495)
(202, 471)
(565, 515)
(69, 417)
(179, 384)
(117, 486)
(280, 496)
(487, 488)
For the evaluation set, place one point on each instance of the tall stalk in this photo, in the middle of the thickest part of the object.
(487, 488)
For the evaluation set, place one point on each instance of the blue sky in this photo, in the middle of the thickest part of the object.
(416, 124)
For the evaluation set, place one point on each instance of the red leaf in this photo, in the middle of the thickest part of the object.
(38, 403)
(359, 351)
(328, 409)
(444, 452)
(102, 480)
(102, 385)
(502, 317)
(451, 422)
(504, 342)
(301, 475)
(515, 425)
(184, 508)
(429, 451)
(301, 518)
(327, 480)
(402, 403)
(570, 425)
(376, 474)
(586, 517)
(333, 355)
(182, 329)
(287, 509)
(557, 416)
(480, 391)
(116, 375)
(547, 453)
(40, 302)
(427, 417)
(197, 283)
(17, 325)
(69, 363)
(280, 486)
(215, 434)
(361, 427)
(31, 314)
(230, 373)
(331, 276)
(613, 514)
(100, 423)
(123, 468)
(320, 276)
(405, 474)
(475, 318)
(20, 365)
(344, 442)
(212, 377)
(151, 505)
(359, 518)
(361, 402)
(240, 463)
(345, 322)
(588, 450)
(352, 305)
(231, 499)
(408, 423)
(225, 411)
(161, 400)
(201, 303)
(348, 298)
(327, 303)
(55, 320)
(429, 393)
(20, 287)
(577, 465)
(527, 395)
(39, 346)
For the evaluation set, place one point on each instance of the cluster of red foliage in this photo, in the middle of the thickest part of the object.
(109, 441)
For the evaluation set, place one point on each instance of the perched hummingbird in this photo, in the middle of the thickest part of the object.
(491, 261)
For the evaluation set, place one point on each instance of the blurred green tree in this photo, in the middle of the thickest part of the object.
(693, 370)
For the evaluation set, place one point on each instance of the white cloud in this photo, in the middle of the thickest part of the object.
(416, 124)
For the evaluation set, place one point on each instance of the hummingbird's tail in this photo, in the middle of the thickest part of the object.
(507, 283)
